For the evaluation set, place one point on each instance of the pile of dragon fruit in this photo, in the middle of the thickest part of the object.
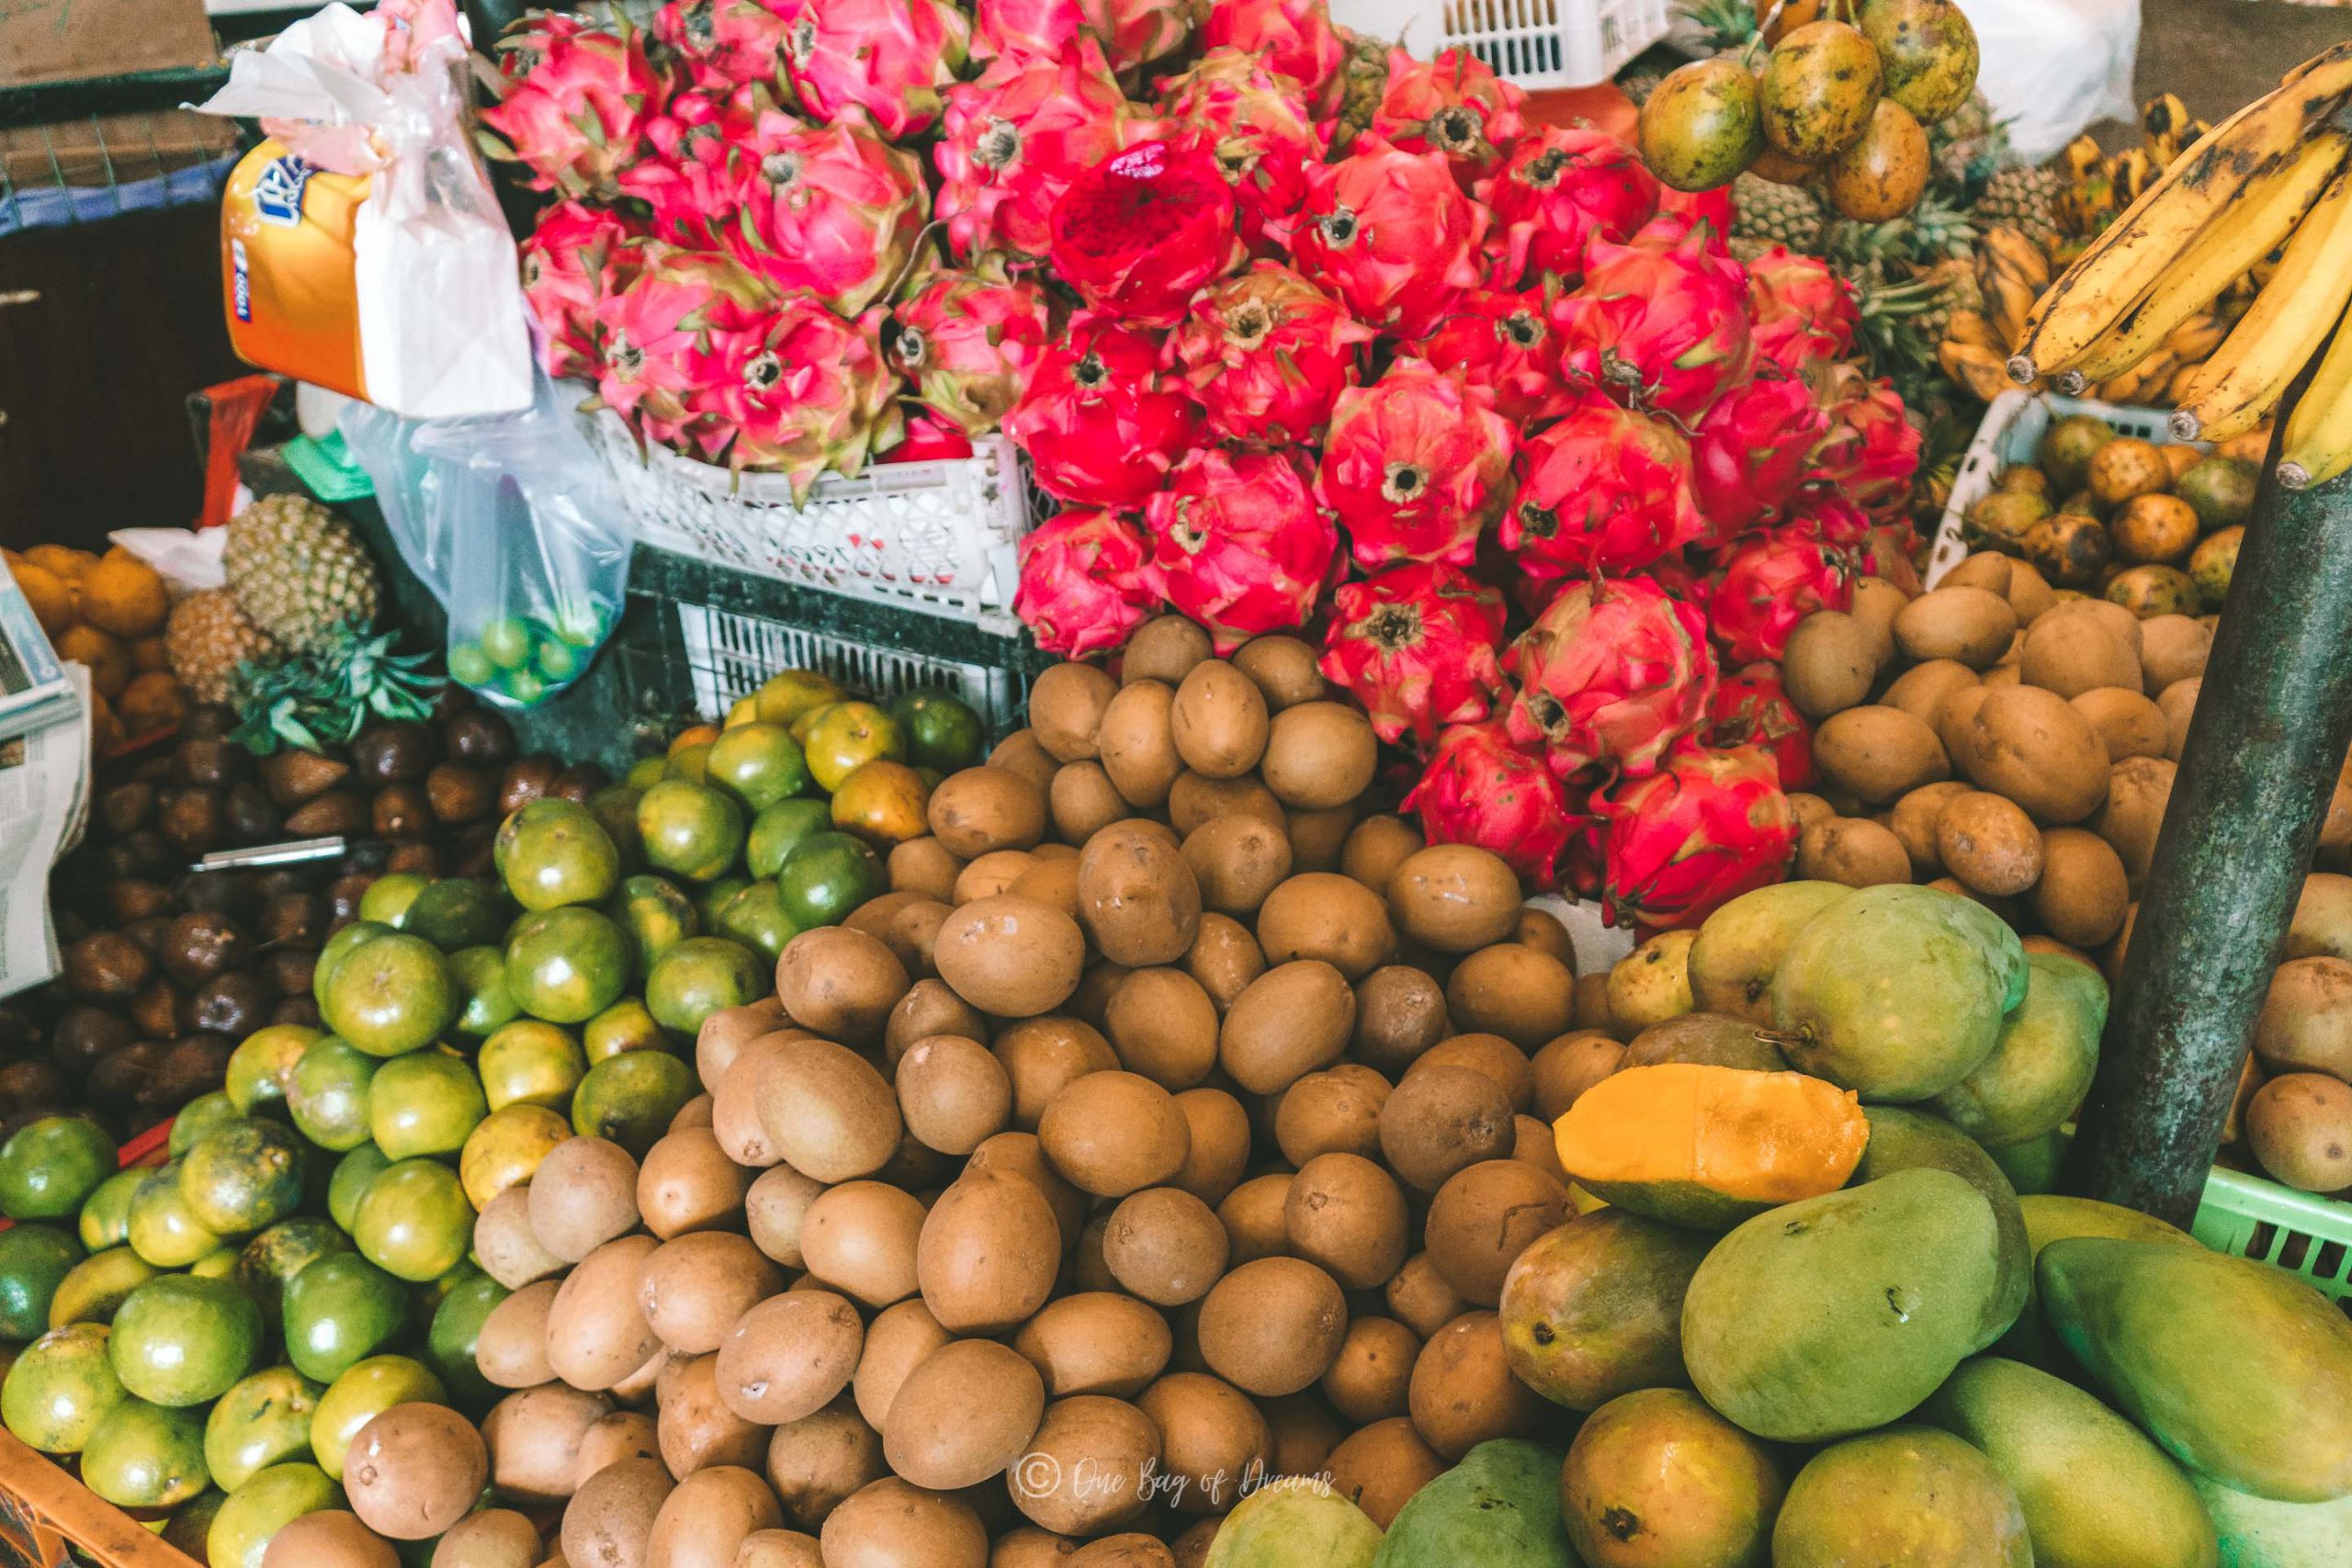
(1303, 333)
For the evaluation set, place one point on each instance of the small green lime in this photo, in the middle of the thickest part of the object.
(469, 666)
(525, 687)
(558, 662)
(506, 642)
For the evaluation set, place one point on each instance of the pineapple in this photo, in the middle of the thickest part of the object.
(1966, 149)
(2024, 199)
(298, 572)
(320, 697)
(1773, 214)
(207, 638)
(1723, 24)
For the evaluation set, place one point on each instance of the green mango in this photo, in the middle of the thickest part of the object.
(2096, 1493)
(2239, 1370)
(1908, 1495)
(2257, 1533)
(2052, 1217)
(2041, 1066)
(1841, 1312)
(1741, 944)
(1593, 1309)
(1498, 1508)
(2033, 1166)
(1294, 1523)
(1898, 992)
(1908, 1140)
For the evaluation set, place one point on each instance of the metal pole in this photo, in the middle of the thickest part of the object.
(2255, 778)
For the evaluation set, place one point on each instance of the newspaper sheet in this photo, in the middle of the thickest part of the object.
(44, 802)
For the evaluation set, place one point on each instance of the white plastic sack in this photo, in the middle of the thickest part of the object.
(2052, 67)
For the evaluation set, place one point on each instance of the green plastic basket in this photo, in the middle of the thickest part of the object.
(2308, 1236)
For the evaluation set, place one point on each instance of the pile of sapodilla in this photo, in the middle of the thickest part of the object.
(1168, 1118)
(2000, 740)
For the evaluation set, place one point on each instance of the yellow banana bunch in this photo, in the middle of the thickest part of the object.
(2319, 431)
(1976, 329)
(2163, 118)
(2145, 381)
(2011, 272)
(2199, 336)
(2089, 198)
(2217, 211)
(2243, 381)
(1981, 371)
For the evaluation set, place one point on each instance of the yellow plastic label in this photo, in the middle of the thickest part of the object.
(288, 269)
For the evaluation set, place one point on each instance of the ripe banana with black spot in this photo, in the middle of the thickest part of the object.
(2290, 321)
(2242, 160)
(2319, 433)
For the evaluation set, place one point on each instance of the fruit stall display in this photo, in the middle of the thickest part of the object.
(1138, 1117)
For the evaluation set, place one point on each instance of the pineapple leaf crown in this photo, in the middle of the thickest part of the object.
(319, 698)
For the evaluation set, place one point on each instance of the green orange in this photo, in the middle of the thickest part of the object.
(624, 1026)
(882, 801)
(339, 1310)
(456, 1329)
(243, 1175)
(657, 914)
(272, 1260)
(529, 1063)
(568, 965)
(755, 917)
(506, 1148)
(689, 765)
(162, 1230)
(786, 695)
(349, 1183)
(264, 1420)
(197, 1117)
(49, 1166)
(826, 876)
(484, 1002)
(454, 912)
(61, 1389)
(553, 851)
(260, 1066)
(689, 828)
(848, 735)
(95, 1287)
(146, 1456)
(365, 1392)
(423, 1103)
(269, 1500)
(777, 829)
(337, 948)
(391, 995)
(698, 977)
(388, 897)
(943, 731)
(182, 1341)
(105, 1214)
(414, 1222)
(759, 763)
(34, 1260)
(631, 1098)
(327, 1093)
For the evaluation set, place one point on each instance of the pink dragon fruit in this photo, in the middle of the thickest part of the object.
(1391, 234)
(578, 118)
(1832, 519)
(1263, 134)
(1268, 354)
(658, 335)
(1873, 449)
(831, 211)
(1293, 37)
(1769, 584)
(1559, 191)
(1481, 788)
(1239, 545)
(1752, 708)
(1416, 645)
(1707, 827)
(566, 260)
(1610, 675)
(966, 340)
(1138, 234)
(1013, 140)
(1692, 208)
(687, 175)
(1416, 465)
(928, 440)
(1454, 105)
(1603, 491)
(1101, 424)
(1505, 341)
(724, 44)
(801, 392)
(1133, 33)
(893, 58)
(1657, 325)
(1804, 313)
(1086, 583)
(1752, 450)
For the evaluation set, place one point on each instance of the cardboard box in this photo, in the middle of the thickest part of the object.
(66, 41)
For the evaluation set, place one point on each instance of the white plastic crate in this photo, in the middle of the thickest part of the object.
(938, 536)
(2012, 433)
(728, 654)
(1535, 43)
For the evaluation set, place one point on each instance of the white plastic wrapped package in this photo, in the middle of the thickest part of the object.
(2053, 67)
